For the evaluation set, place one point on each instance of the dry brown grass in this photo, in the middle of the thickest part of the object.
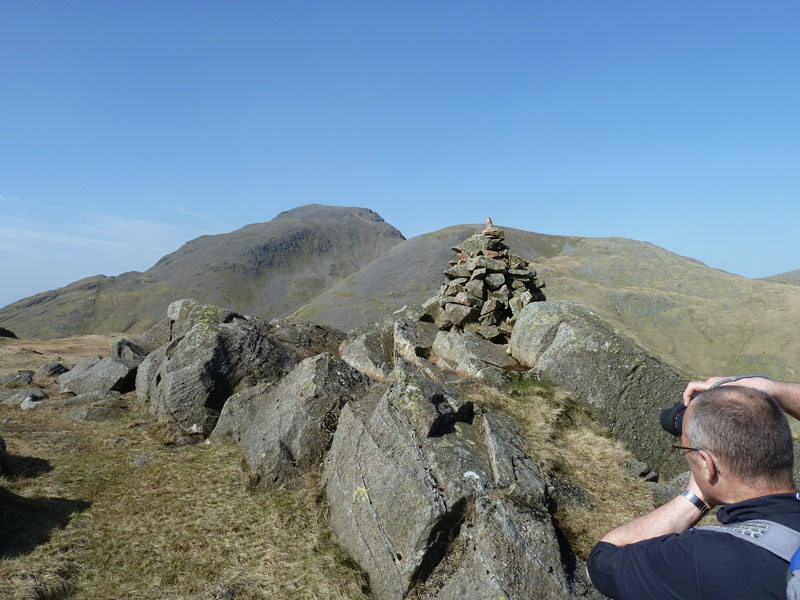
(31, 353)
(567, 443)
(103, 510)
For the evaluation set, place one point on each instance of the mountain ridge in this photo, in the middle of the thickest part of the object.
(347, 267)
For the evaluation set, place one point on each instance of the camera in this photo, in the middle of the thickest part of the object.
(672, 419)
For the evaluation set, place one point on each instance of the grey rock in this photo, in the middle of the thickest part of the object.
(480, 243)
(51, 369)
(460, 315)
(478, 274)
(413, 339)
(308, 339)
(494, 377)
(29, 404)
(17, 397)
(663, 492)
(188, 380)
(457, 271)
(95, 374)
(79, 370)
(187, 313)
(119, 347)
(369, 353)
(477, 288)
(426, 493)
(622, 385)
(466, 353)
(107, 399)
(483, 262)
(495, 281)
(94, 413)
(16, 379)
(158, 335)
(284, 428)
(7, 333)
(148, 370)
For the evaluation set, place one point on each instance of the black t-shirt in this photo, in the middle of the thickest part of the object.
(699, 563)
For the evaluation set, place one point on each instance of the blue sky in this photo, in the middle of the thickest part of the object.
(128, 128)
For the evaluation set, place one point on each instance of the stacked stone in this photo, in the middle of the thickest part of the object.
(486, 288)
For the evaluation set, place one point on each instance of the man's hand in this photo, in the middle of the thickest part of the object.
(695, 387)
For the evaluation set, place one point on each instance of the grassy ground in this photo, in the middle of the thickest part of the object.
(567, 443)
(106, 510)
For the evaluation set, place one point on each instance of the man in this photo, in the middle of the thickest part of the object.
(738, 446)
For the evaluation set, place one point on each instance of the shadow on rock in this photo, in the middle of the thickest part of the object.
(29, 522)
(18, 467)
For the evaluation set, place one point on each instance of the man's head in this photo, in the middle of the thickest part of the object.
(746, 430)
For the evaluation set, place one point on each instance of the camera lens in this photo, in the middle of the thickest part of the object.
(672, 419)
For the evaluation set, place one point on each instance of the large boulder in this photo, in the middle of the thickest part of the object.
(370, 352)
(188, 380)
(285, 428)
(623, 386)
(467, 354)
(429, 494)
(97, 374)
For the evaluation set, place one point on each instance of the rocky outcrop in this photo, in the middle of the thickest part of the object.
(98, 374)
(622, 385)
(285, 428)
(188, 380)
(486, 288)
(213, 353)
(431, 495)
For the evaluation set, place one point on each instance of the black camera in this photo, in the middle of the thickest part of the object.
(672, 419)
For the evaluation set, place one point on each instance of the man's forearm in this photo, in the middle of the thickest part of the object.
(787, 394)
(676, 516)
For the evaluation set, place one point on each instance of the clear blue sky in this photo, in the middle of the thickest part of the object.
(128, 128)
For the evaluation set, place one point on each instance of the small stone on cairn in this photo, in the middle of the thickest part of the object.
(485, 288)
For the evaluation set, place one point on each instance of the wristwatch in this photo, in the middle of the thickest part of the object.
(694, 499)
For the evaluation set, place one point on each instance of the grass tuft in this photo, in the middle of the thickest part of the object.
(567, 443)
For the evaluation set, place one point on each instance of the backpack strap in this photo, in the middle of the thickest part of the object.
(780, 540)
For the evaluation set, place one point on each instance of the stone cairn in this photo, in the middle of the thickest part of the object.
(485, 288)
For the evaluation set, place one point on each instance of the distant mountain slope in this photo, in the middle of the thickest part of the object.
(790, 277)
(267, 269)
(410, 272)
(702, 320)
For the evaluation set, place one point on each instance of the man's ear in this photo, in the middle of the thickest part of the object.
(709, 468)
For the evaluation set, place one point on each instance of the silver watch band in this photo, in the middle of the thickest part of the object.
(694, 499)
